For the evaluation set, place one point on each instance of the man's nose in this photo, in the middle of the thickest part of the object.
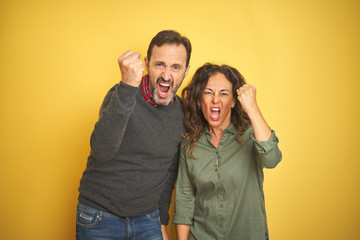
(166, 73)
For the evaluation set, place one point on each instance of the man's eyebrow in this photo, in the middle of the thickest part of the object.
(160, 62)
(179, 65)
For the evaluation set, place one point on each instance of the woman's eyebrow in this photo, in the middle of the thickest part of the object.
(221, 90)
(209, 89)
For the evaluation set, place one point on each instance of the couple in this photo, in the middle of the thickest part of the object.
(136, 157)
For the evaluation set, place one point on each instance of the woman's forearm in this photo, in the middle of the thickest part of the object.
(182, 231)
(262, 130)
(247, 99)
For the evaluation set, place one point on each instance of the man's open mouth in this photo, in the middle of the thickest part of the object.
(164, 88)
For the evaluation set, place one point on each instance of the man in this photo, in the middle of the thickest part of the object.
(125, 191)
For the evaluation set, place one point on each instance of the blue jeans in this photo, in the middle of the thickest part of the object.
(93, 224)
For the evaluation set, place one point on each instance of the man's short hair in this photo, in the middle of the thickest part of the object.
(170, 37)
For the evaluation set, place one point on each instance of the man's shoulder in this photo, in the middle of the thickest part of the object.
(178, 99)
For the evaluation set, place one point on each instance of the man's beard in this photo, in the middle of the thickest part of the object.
(157, 100)
(172, 90)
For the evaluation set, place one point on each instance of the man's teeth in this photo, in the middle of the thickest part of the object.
(165, 84)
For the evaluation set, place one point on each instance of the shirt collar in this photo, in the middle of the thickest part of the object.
(230, 129)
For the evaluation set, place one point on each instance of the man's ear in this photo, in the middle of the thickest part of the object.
(146, 64)
(186, 71)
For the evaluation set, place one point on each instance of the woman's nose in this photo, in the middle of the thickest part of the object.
(215, 98)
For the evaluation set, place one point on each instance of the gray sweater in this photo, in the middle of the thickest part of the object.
(133, 162)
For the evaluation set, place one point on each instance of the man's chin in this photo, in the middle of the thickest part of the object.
(164, 101)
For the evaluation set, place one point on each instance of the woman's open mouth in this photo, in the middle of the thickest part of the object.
(215, 113)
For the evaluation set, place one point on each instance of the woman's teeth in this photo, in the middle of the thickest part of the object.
(215, 113)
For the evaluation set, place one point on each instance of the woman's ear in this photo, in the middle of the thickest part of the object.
(234, 103)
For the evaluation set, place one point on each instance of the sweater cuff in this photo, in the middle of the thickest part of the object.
(164, 216)
(127, 93)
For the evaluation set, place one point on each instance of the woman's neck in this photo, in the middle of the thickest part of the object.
(216, 134)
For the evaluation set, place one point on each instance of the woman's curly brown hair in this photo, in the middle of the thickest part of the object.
(194, 119)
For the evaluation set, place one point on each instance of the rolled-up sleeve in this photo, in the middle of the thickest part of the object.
(185, 193)
(267, 153)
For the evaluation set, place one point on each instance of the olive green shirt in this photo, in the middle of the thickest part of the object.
(225, 201)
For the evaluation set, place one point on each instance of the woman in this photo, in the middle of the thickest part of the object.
(219, 192)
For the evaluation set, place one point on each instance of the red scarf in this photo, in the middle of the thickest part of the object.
(145, 89)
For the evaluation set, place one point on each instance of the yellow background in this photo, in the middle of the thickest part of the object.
(59, 58)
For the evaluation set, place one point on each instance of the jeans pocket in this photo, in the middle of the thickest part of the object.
(87, 217)
(153, 216)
